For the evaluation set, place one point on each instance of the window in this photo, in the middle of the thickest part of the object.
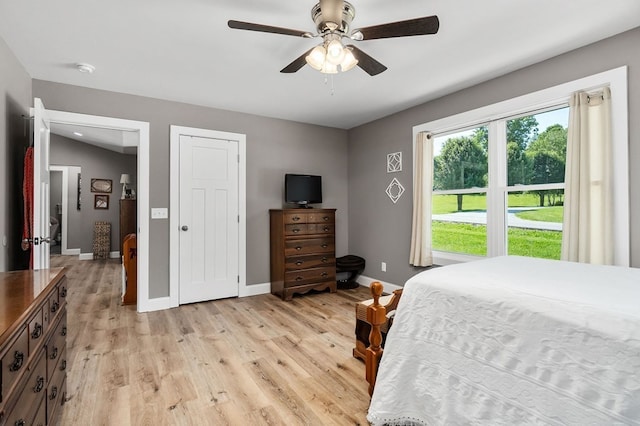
(498, 174)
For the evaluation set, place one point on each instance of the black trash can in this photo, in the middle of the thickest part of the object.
(352, 264)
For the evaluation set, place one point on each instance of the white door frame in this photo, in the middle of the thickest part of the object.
(144, 303)
(65, 250)
(174, 216)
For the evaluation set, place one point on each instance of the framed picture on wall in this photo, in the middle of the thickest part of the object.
(101, 185)
(101, 202)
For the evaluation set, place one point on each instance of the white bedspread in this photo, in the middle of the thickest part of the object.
(513, 341)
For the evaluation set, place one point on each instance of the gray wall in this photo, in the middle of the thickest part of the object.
(380, 230)
(96, 163)
(15, 99)
(274, 147)
(55, 197)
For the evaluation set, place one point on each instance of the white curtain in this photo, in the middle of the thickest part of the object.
(421, 254)
(588, 207)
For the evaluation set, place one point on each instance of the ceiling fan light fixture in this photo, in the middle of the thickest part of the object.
(316, 58)
(335, 52)
(329, 68)
(349, 60)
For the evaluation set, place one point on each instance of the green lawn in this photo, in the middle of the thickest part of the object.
(543, 214)
(472, 239)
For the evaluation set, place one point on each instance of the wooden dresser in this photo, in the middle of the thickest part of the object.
(128, 221)
(33, 357)
(303, 251)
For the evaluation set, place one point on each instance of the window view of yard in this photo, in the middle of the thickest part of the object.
(535, 150)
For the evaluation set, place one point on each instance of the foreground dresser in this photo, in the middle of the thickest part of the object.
(33, 329)
(303, 251)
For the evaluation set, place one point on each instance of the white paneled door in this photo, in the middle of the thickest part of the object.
(41, 214)
(209, 225)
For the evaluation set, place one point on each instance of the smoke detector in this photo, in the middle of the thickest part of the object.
(85, 68)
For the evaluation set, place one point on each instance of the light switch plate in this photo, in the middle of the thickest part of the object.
(159, 213)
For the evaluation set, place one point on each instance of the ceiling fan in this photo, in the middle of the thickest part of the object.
(333, 19)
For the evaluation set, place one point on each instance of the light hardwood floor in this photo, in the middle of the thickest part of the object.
(249, 361)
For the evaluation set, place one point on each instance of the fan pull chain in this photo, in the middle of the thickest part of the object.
(326, 81)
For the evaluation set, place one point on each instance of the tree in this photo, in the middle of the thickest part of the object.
(462, 163)
(547, 155)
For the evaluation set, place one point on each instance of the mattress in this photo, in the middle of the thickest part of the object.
(513, 340)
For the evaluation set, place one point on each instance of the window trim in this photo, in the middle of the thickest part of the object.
(494, 115)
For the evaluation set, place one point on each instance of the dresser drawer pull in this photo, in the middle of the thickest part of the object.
(54, 393)
(295, 218)
(39, 385)
(325, 260)
(54, 307)
(324, 275)
(299, 262)
(37, 331)
(325, 218)
(18, 360)
(327, 229)
(298, 248)
(298, 278)
(19, 423)
(325, 245)
(63, 332)
(63, 365)
(54, 353)
(295, 230)
(63, 292)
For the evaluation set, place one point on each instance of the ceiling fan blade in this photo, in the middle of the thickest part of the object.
(366, 62)
(297, 63)
(239, 25)
(411, 27)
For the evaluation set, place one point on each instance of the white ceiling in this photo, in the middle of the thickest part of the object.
(184, 51)
(111, 139)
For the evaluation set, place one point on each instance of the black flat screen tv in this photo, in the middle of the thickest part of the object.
(302, 189)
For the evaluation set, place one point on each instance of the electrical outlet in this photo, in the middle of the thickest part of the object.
(383, 266)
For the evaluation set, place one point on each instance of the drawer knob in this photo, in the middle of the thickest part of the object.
(54, 307)
(19, 423)
(37, 331)
(18, 360)
(296, 218)
(324, 275)
(325, 245)
(39, 385)
(299, 278)
(54, 393)
(296, 230)
(63, 332)
(54, 353)
(63, 292)
(325, 218)
(325, 260)
(298, 248)
(299, 262)
(63, 365)
(326, 229)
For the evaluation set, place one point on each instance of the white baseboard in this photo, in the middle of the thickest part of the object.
(89, 256)
(255, 289)
(71, 252)
(388, 287)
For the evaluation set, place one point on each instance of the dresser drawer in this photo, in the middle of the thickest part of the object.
(35, 330)
(62, 291)
(294, 217)
(296, 229)
(321, 228)
(13, 362)
(295, 278)
(41, 415)
(33, 392)
(55, 388)
(56, 345)
(293, 247)
(320, 217)
(305, 262)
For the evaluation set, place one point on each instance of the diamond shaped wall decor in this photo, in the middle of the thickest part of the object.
(394, 162)
(395, 190)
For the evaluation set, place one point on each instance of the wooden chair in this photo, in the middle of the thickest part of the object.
(377, 321)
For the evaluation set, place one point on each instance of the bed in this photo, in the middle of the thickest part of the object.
(511, 341)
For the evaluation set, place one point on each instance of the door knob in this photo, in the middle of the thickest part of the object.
(185, 228)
